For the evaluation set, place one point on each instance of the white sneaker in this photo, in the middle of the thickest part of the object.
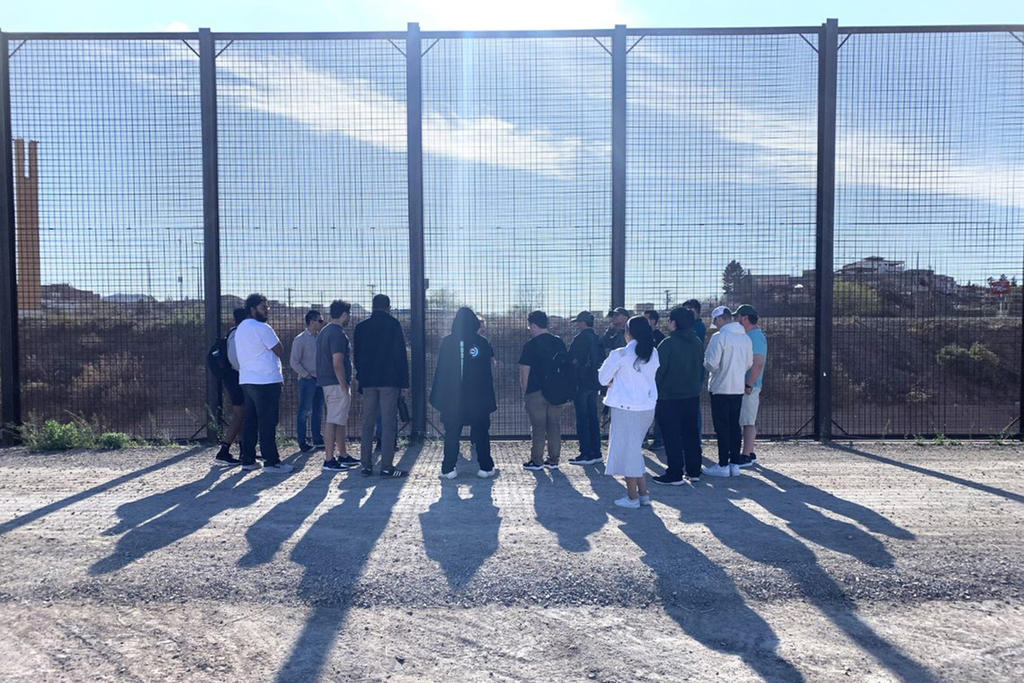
(487, 474)
(645, 500)
(734, 470)
(717, 470)
(626, 502)
(449, 475)
(278, 468)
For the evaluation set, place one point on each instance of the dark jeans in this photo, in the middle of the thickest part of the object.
(725, 414)
(262, 408)
(479, 435)
(588, 425)
(679, 419)
(311, 407)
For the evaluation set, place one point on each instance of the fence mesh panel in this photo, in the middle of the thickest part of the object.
(517, 180)
(929, 238)
(721, 181)
(722, 145)
(109, 231)
(313, 199)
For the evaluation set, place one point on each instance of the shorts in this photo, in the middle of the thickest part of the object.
(748, 409)
(235, 393)
(338, 402)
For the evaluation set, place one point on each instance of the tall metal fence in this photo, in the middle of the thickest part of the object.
(863, 188)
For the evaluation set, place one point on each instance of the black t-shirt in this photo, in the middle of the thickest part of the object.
(658, 336)
(538, 353)
(331, 340)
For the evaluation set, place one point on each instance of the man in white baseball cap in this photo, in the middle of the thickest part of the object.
(727, 358)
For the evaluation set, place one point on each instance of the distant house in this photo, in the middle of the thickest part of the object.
(873, 265)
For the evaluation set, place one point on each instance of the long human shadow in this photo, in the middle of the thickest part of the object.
(697, 593)
(269, 532)
(808, 522)
(766, 544)
(461, 533)
(162, 518)
(333, 552)
(49, 508)
(812, 495)
(985, 488)
(566, 512)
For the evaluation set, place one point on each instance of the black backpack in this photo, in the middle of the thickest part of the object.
(559, 383)
(217, 358)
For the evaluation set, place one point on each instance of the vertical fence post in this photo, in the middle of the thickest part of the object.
(828, 62)
(10, 376)
(211, 217)
(619, 166)
(417, 271)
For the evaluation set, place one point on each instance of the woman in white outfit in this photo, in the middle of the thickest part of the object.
(632, 397)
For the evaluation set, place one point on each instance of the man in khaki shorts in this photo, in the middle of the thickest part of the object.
(334, 375)
(747, 316)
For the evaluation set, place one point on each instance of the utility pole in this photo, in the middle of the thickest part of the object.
(668, 299)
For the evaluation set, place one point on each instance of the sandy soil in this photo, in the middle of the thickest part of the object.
(866, 561)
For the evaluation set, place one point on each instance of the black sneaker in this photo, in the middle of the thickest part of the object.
(348, 460)
(224, 458)
(668, 481)
(532, 466)
(333, 465)
(548, 465)
(251, 467)
(393, 473)
(753, 458)
(584, 460)
(366, 471)
(318, 447)
(744, 461)
(305, 447)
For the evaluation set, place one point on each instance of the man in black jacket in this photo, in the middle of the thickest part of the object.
(382, 370)
(587, 354)
(463, 392)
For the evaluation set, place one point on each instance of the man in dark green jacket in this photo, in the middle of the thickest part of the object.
(680, 378)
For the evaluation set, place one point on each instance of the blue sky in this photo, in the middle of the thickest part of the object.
(333, 15)
(930, 154)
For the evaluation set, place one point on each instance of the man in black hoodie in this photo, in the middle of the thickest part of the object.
(382, 370)
(587, 354)
(463, 392)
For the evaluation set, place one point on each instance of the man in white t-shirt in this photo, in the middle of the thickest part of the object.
(259, 354)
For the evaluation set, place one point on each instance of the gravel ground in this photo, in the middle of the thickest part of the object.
(863, 561)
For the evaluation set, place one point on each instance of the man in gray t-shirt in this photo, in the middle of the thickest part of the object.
(334, 375)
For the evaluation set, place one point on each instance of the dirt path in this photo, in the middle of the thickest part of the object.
(870, 562)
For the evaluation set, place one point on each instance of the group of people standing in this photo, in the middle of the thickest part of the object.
(327, 362)
(646, 379)
(650, 379)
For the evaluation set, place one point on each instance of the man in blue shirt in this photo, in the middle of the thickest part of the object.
(747, 316)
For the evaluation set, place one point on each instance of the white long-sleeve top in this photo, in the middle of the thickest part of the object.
(629, 387)
(728, 357)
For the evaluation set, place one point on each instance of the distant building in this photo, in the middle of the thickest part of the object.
(129, 299)
(873, 265)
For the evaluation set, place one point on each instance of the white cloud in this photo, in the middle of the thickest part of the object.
(786, 144)
(352, 106)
